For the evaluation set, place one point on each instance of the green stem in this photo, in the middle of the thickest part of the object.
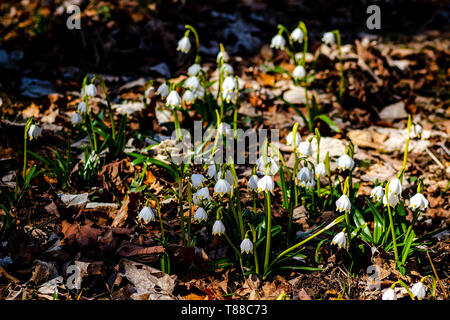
(391, 225)
(269, 230)
(180, 199)
(108, 102)
(197, 42)
(238, 253)
(255, 254)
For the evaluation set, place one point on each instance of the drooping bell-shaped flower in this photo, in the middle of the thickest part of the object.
(265, 184)
(212, 172)
(222, 187)
(173, 100)
(218, 228)
(76, 118)
(320, 170)
(184, 45)
(345, 162)
(229, 84)
(416, 130)
(222, 55)
(253, 182)
(389, 294)
(304, 176)
(201, 195)
(146, 214)
(90, 90)
(200, 215)
(192, 83)
(194, 70)
(290, 139)
(418, 201)
(299, 72)
(395, 187)
(226, 69)
(163, 90)
(393, 200)
(304, 149)
(328, 38)
(278, 42)
(343, 204)
(297, 35)
(34, 131)
(197, 180)
(377, 193)
(228, 176)
(419, 290)
(246, 246)
(188, 96)
(340, 240)
(262, 165)
(82, 108)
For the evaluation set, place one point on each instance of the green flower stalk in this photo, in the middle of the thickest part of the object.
(255, 254)
(391, 224)
(341, 66)
(197, 41)
(25, 151)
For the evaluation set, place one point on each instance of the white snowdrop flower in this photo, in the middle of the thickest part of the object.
(194, 70)
(223, 128)
(212, 172)
(146, 214)
(265, 184)
(343, 204)
(226, 69)
(173, 100)
(184, 45)
(201, 195)
(418, 201)
(261, 165)
(246, 246)
(377, 193)
(299, 72)
(389, 294)
(82, 108)
(393, 200)
(76, 118)
(304, 149)
(320, 169)
(149, 92)
(416, 130)
(34, 131)
(218, 228)
(328, 38)
(419, 290)
(222, 186)
(192, 83)
(345, 162)
(229, 84)
(340, 240)
(188, 96)
(304, 176)
(290, 139)
(297, 35)
(222, 55)
(229, 96)
(163, 90)
(395, 187)
(200, 215)
(228, 176)
(278, 42)
(310, 184)
(197, 180)
(253, 182)
(90, 90)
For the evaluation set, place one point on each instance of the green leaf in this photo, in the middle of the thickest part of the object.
(329, 122)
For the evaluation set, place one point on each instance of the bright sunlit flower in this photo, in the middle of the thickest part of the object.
(173, 100)
(226, 69)
(278, 42)
(76, 118)
(218, 228)
(90, 90)
(222, 186)
(246, 246)
(197, 180)
(343, 204)
(265, 184)
(188, 96)
(192, 83)
(146, 214)
(345, 162)
(299, 72)
(395, 187)
(253, 182)
(297, 35)
(340, 240)
(163, 90)
(389, 294)
(212, 172)
(199, 92)
(34, 131)
(310, 184)
(320, 170)
(194, 70)
(200, 215)
(393, 200)
(418, 201)
(304, 149)
(304, 176)
(229, 84)
(222, 55)
(328, 38)
(377, 193)
(184, 45)
(261, 165)
(419, 290)
(416, 130)
(290, 139)
(82, 108)
(201, 195)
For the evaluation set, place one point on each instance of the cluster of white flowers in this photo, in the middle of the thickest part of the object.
(305, 178)
(418, 290)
